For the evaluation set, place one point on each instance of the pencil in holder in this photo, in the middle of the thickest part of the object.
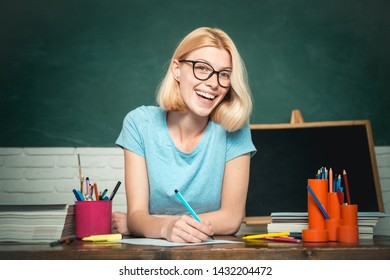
(348, 230)
(334, 211)
(317, 231)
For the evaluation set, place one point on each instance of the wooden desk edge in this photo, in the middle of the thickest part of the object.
(377, 249)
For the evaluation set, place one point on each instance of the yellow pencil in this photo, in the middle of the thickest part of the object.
(259, 236)
(81, 176)
(104, 237)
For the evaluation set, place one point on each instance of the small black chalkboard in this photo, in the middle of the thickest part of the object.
(289, 154)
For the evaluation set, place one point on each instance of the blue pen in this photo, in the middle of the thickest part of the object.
(189, 208)
(78, 198)
(318, 203)
(80, 195)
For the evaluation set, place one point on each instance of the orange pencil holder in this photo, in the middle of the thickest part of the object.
(334, 212)
(317, 231)
(348, 230)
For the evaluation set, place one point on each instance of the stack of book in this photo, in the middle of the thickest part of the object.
(297, 221)
(35, 223)
(254, 225)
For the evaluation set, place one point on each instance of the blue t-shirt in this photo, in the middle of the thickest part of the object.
(197, 175)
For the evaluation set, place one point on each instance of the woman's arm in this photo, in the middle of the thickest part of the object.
(141, 223)
(225, 221)
(228, 218)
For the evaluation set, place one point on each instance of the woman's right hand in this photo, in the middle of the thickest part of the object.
(187, 229)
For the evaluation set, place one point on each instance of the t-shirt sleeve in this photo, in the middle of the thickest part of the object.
(131, 137)
(240, 142)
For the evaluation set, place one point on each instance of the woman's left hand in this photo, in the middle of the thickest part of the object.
(119, 223)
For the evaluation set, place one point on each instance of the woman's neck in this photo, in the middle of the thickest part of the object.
(186, 129)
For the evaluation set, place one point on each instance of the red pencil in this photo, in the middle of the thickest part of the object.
(283, 239)
(346, 186)
(340, 196)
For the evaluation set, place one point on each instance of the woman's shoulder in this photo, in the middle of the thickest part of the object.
(145, 113)
(229, 134)
(150, 109)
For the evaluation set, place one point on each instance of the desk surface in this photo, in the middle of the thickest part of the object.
(377, 248)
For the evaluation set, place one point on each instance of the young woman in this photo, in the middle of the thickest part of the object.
(197, 141)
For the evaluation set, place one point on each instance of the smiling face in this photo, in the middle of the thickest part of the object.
(201, 97)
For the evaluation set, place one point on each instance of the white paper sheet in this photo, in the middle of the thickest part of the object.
(166, 243)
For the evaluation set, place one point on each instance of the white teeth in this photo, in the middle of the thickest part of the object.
(205, 95)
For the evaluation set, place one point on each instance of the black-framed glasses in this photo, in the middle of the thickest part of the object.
(203, 71)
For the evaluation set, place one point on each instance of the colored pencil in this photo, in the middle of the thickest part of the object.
(263, 235)
(330, 180)
(318, 202)
(282, 239)
(346, 186)
(81, 175)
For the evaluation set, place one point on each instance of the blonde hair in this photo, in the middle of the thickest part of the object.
(234, 111)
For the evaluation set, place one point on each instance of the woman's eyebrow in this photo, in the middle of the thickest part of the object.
(229, 68)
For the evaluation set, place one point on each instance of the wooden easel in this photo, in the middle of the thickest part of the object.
(296, 117)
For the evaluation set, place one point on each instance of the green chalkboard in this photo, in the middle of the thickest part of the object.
(70, 70)
(289, 155)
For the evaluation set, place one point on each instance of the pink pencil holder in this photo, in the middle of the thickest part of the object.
(93, 217)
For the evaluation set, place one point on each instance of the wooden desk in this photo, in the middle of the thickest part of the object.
(378, 248)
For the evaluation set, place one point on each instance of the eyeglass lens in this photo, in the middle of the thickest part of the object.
(204, 71)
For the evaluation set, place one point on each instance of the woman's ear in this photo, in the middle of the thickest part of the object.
(175, 69)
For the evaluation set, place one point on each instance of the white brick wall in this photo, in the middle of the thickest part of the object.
(48, 175)
(383, 162)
